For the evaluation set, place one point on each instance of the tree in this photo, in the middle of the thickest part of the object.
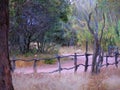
(94, 17)
(97, 38)
(5, 76)
(31, 20)
(28, 23)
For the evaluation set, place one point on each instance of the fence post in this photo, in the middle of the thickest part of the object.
(86, 56)
(75, 62)
(59, 64)
(107, 60)
(86, 62)
(35, 66)
(116, 57)
(13, 65)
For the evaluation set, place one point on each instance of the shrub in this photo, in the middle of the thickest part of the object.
(49, 61)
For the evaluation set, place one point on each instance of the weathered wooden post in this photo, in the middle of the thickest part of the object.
(13, 65)
(86, 62)
(86, 56)
(59, 64)
(35, 66)
(75, 62)
(116, 58)
(107, 60)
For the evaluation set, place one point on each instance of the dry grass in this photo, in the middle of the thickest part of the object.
(71, 50)
(108, 79)
(50, 82)
(29, 64)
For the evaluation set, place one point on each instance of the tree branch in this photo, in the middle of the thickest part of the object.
(102, 27)
(88, 24)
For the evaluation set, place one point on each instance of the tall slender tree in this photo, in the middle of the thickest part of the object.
(5, 76)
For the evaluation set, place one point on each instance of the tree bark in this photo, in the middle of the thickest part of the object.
(5, 75)
(95, 55)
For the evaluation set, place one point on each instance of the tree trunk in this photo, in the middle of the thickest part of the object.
(21, 43)
(5, 75)
(95, 55)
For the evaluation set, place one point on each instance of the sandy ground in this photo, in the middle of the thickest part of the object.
(64, 64)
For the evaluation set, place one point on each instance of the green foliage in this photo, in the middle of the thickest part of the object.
(28, 54)
(109, 5)
(110, 36)
(56, 8)
(49, 14)
(84, 35)
(50, 61)
(31, 53)
(63, 17)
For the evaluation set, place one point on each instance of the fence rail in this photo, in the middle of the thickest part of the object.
(75, 64)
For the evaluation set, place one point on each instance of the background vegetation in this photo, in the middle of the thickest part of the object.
(43, 26)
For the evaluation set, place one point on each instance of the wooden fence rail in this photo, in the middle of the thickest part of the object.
(76, 65)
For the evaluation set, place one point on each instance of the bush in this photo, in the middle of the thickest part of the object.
(49, 61)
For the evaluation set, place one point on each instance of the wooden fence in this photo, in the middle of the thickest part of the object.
(75, 65)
